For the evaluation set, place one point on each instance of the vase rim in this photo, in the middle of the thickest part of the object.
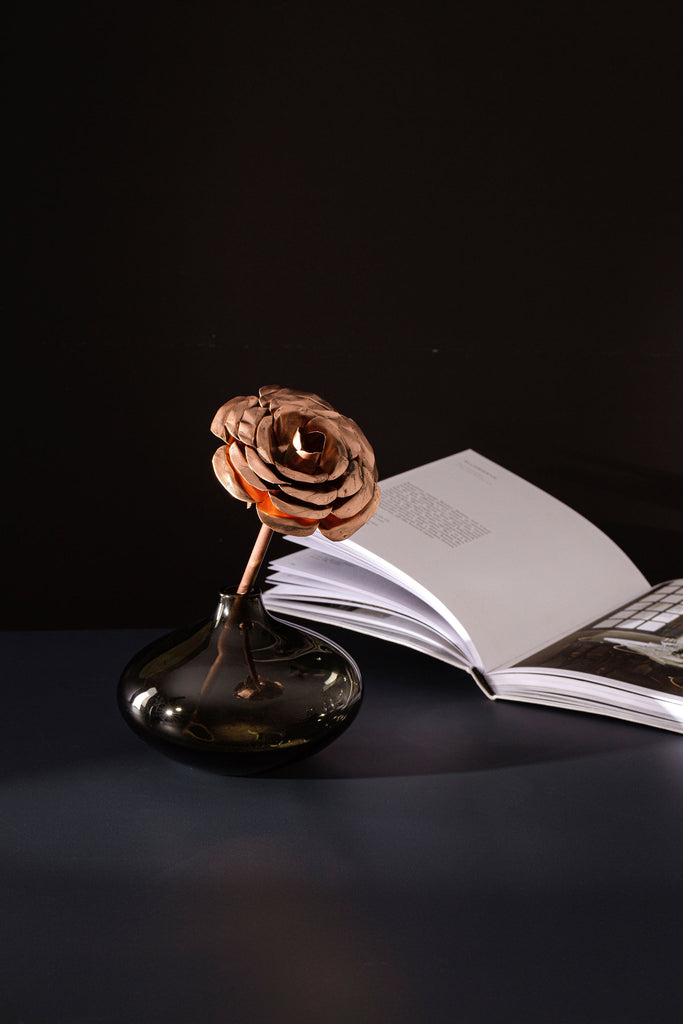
(232, 592)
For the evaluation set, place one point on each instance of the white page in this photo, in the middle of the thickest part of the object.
(511, 568)
(365, 617)
(346, 596)
(371, 621)
(310, 574)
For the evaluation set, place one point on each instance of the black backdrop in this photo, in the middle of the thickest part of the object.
(462, 225)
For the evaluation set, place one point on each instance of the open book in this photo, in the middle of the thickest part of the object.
(469, 563)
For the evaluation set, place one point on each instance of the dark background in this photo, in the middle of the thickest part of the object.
(461, 225)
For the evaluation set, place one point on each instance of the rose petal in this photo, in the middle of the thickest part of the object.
(340, 466)
(301, 476)
(324, 423)
(354, 438)
(332, 461)
(334, 458)
(366, 452)
(285, 460)
(261, 468)
(265, 439)
(316, 494)
(274, 442)
(265, 504)
(219, 422)
(265, 393)
(295, 508)
(274, 396)
(236, 457)
(282, 524)
(345, 529)
(286, 422)
(310, 442)
(235, 409)
(246, 431)
(226, 474)
(351, 482)
(348, 507)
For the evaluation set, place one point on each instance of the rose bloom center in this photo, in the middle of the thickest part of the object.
(308, 442)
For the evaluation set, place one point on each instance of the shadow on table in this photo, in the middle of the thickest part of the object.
(422, 717)
(419, 716)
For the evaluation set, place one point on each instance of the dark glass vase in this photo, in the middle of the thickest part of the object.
(240, 693)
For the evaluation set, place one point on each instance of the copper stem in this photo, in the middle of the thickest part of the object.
(255, 559)
(248, 657)
(258, 553)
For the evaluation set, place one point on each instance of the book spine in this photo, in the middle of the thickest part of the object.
(482, 682)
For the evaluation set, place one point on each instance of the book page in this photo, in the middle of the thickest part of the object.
(628, 664)
(509, 567)
(359, 596)
(640, 644)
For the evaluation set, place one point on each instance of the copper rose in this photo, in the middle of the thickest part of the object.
(302, 463)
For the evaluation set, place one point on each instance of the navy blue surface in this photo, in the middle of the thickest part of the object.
(448, 859)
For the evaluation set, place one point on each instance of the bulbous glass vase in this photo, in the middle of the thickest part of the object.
(240, 693)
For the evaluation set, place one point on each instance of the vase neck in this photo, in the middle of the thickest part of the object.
(238, 607)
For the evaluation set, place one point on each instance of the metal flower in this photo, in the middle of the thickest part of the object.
(302, 463)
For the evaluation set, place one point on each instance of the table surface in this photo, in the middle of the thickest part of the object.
(448, 859)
